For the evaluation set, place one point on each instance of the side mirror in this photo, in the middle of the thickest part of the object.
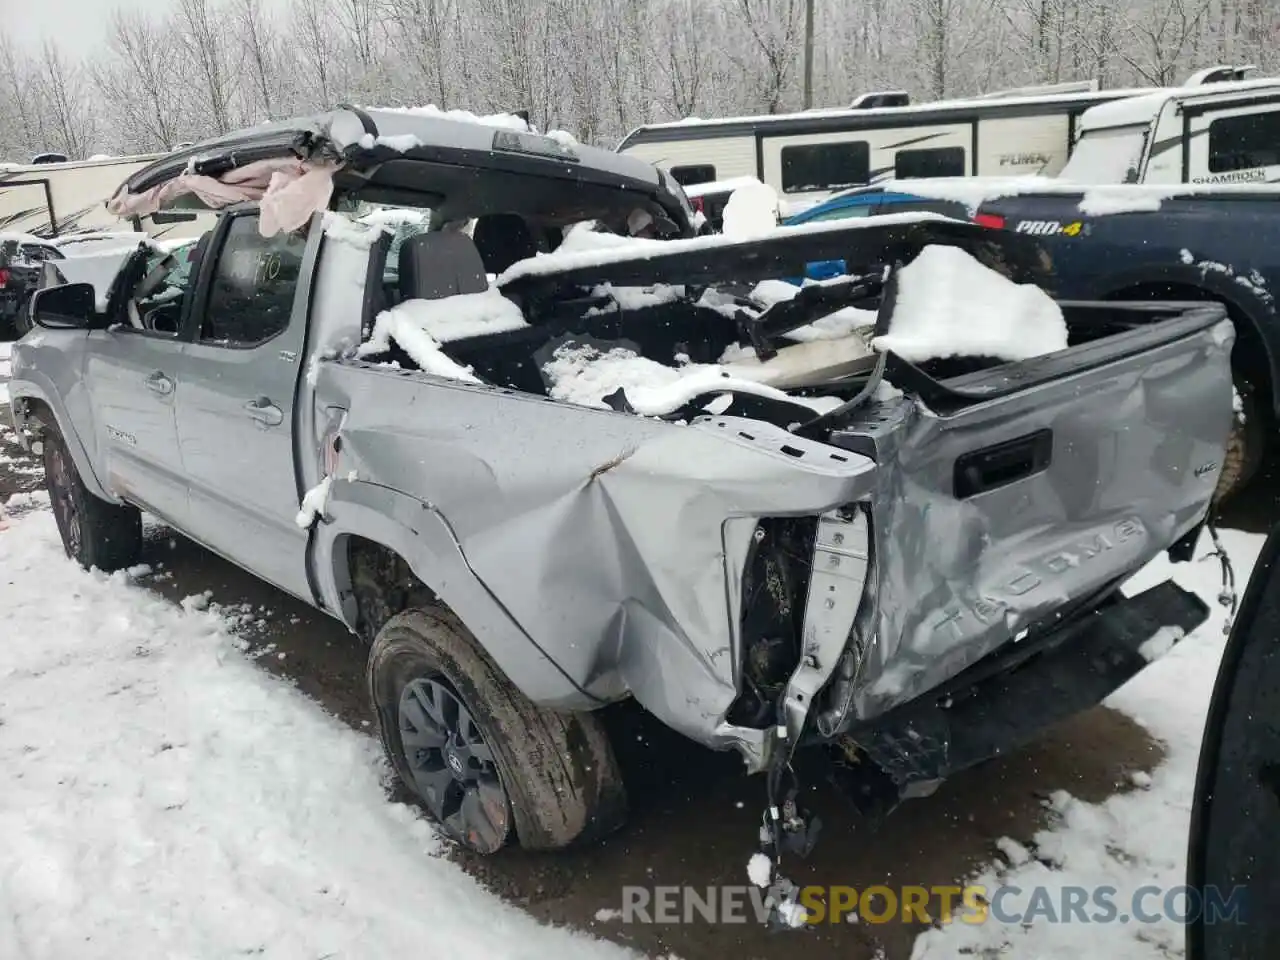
(69, 306)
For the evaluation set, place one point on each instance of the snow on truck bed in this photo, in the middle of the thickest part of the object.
(948, 305)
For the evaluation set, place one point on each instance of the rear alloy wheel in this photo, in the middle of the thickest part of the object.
(453, 768)
(485, 762)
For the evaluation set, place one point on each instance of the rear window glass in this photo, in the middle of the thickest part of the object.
(1240, 143)
(689, 175)
(939, 162)
(825, 166)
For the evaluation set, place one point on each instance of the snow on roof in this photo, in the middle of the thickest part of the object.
(1124, 113)
(888, 112)
(585, 248)
(506, 121)
(719, 186)
(1095, 199)
(1143, 109)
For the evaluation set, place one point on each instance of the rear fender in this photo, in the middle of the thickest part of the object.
(421, 536)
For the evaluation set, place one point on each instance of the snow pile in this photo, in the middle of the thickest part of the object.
(950, 305)
(395, 325)
(634, 298)
(760, 870)
(1129, 841)
(462, 315)
(6, 370)
(418, 327)
(160, 796)
(834, 326)
(313, 503)
(750, 212)
(584, 375)
(343, 230)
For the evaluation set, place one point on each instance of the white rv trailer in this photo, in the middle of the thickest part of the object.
(53, 199)
(807, 156)
(1222, 133)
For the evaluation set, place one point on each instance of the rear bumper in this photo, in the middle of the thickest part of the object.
(1006, 699)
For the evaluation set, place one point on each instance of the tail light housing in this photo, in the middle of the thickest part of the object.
(991, 220)
(4, 278)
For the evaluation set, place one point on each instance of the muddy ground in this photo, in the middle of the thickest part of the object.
(694, 814)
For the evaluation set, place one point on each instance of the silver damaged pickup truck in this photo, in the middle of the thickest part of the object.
(368, 390)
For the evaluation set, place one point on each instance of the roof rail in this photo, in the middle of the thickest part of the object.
(1222, 73)
(1044, 89)
(881, 98)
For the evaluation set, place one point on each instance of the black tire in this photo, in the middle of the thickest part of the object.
(94, 533)
(559, 781)
(1246, 445)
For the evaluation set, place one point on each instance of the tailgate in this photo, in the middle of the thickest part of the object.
(1027, 487)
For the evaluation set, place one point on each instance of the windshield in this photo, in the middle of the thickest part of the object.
(1109, 155)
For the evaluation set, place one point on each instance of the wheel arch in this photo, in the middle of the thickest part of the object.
(367, 523)
(36, 409)
(1254, 356)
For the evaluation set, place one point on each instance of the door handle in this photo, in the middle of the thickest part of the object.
(159, 383)
(264, 411)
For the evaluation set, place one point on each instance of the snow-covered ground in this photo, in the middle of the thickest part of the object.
(161, 796)
(1134, 839)
(6, 350)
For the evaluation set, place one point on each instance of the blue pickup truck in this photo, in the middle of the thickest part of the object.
(1139, 242)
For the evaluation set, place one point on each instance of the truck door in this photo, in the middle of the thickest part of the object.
(1236, 145)
(235, 421)
(132, 380)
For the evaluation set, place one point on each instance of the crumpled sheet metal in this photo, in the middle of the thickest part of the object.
(603, 535)
(958, 578)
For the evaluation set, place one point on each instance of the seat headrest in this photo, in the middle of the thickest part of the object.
(504, 239)
(437, 265)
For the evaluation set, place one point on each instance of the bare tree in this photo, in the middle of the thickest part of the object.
(22, 123)
(594, 67)
(258, 46)
(64, 99)
(205, 43)
(775, 27)
(138, 80)
(421, 31)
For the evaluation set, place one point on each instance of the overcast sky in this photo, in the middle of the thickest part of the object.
(77, 25)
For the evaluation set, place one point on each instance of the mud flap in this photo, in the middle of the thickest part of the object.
(1006, 700)
(1235, 816)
